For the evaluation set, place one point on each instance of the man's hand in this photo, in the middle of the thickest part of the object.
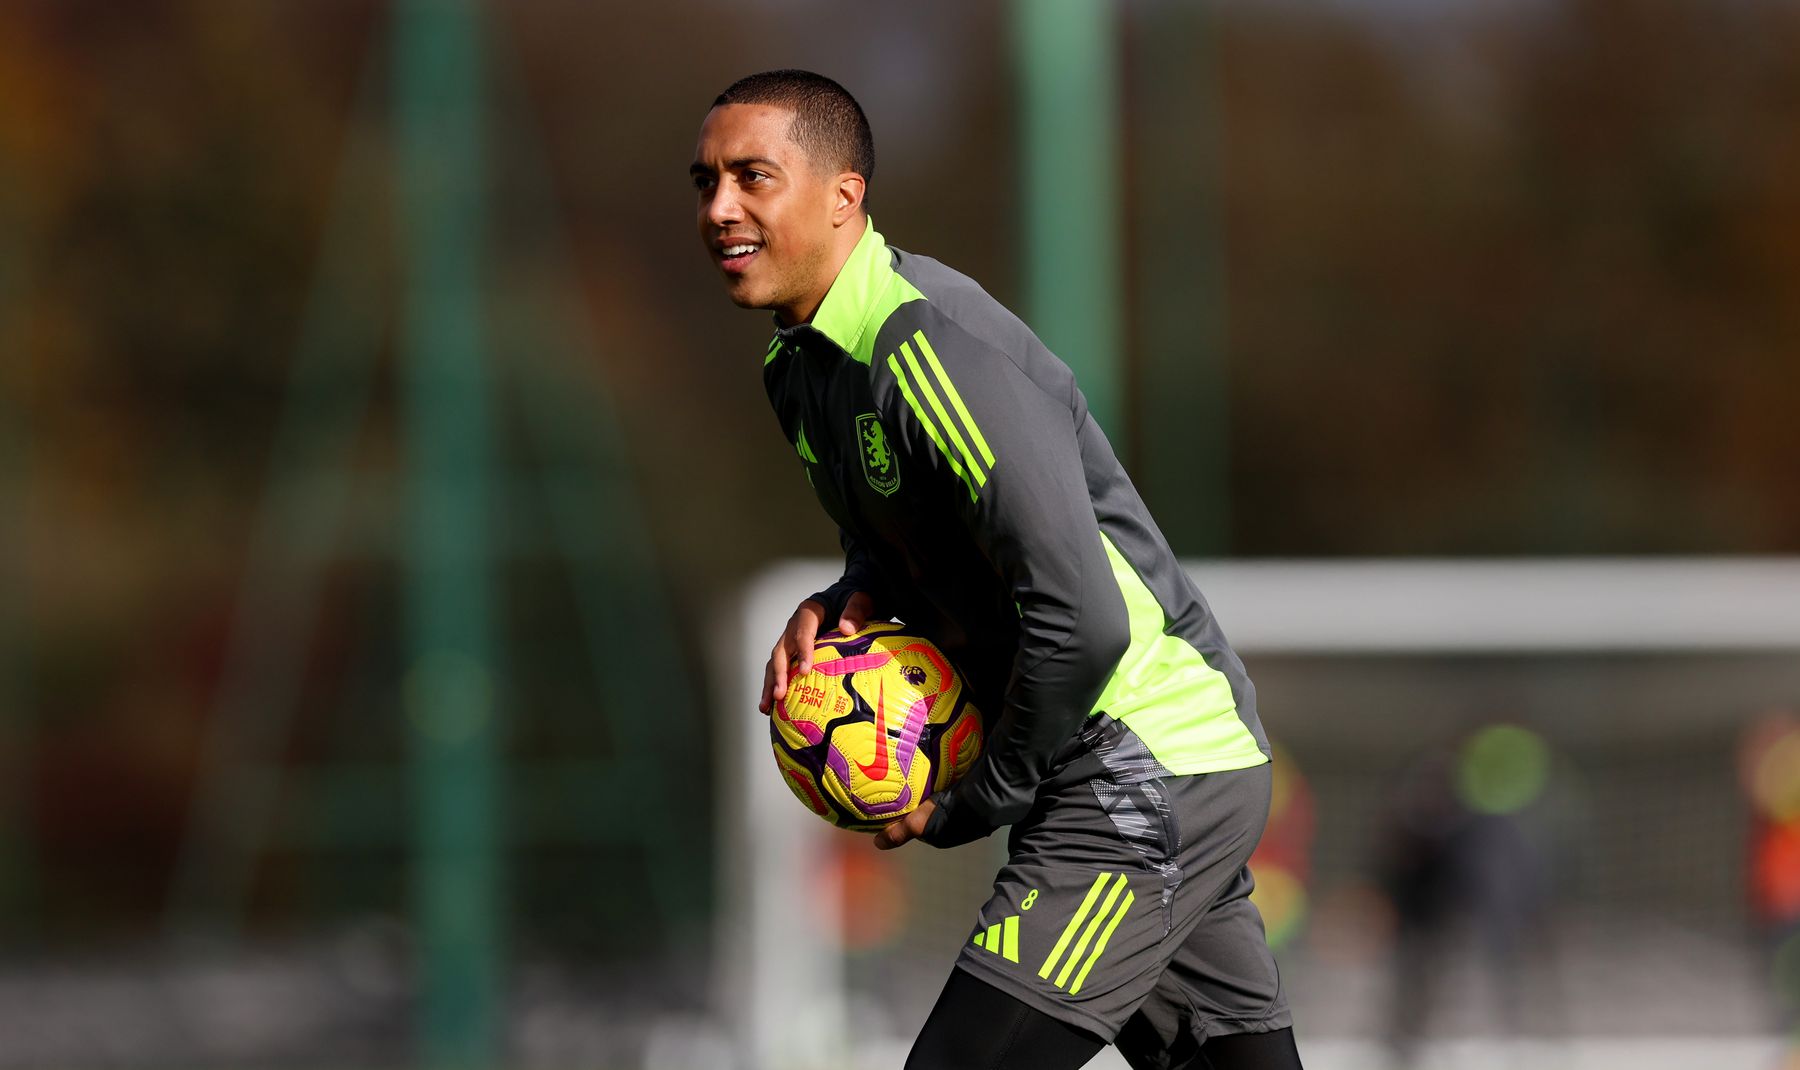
(794, 650)
(910, 827)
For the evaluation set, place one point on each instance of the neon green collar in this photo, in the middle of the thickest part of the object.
(850, 303)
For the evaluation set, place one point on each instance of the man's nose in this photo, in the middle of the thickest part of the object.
(724, 211)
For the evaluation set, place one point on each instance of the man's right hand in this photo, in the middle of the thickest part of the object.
(794, 650)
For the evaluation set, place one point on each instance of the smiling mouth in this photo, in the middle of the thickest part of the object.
(734, 258)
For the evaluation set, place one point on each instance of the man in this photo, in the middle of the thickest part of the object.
(978, 502)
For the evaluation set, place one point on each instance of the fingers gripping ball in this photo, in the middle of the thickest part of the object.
(880, 723)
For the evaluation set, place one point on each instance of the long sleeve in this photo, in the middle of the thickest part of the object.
(860, 574)
(1005, 449)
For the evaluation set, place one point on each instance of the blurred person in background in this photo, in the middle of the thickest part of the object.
(1283, 860)
(1769, 767)
(1466, 878)
(979, 502)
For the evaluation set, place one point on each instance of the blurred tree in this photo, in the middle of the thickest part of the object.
(1509, 280)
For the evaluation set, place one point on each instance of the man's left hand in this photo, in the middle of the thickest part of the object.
(901, 829)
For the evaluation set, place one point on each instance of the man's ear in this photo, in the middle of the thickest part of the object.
(848, 189)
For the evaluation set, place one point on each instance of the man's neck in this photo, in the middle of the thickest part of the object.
(845, 243)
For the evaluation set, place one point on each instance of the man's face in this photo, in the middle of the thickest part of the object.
(765, 213)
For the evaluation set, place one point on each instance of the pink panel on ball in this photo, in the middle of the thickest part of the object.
(810, 732)
(855, 663)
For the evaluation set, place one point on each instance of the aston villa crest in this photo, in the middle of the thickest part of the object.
(879, 463)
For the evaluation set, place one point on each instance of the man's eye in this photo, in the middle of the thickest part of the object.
(754, 176)
(703, 182)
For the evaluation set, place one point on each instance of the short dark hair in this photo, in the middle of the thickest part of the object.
(829, 126)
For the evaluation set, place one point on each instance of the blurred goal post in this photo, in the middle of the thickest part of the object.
(782, 986)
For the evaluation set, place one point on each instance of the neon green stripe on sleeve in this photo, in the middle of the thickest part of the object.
(955, 397)
(937, 406)
(930, 428)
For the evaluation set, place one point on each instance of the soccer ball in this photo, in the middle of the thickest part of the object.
(880, 723)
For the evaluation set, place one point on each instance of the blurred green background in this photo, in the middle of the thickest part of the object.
(1396, 277)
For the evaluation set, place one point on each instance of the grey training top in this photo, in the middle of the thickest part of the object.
(978, 502)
